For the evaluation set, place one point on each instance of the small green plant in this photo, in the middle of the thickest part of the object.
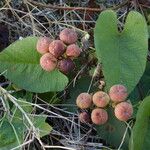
(13, 128)
(123, 55)
(42, 64)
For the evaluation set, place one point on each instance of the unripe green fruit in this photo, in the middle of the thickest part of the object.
(66, 65)
(68, 36)
(43, 44)
(48, 62)
(84, 100)
(101, 99)
(84, 117)
(73, 51)
(99, 116)
(123, 111)
(57, 48)
(118, 93)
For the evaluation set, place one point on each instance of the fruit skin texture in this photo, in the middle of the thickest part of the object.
(43, 44)
(84, 100)
(66, 65)
(73, 51)
(101, 99)
(48, 62)
(99, 116)
(123, 111)
(84, 117)
(68, 36)
(57, 48)
(118, 93)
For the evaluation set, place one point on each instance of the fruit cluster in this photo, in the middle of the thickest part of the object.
(99, 102)
(59, 53)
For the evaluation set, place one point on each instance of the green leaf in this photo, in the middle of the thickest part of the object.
(10, 146)
(11, 134)
(43, 127)
(6, 136)
(12, 131)
(123, 54)
(144, 82)
(139, 139)
(49, 97)
(143, 88)
(38, 120)
(21, 61)
(113, 131)
(25, 106)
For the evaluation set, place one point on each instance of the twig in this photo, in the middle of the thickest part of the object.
(93, 76)
(60, 147)
(124, 136)
(76, 8)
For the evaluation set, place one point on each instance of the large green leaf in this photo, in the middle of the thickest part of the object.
(141, 130)
(123, 54)
(113, 131)
(21, 60)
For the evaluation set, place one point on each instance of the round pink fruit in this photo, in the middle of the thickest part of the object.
(66, 65)
(84, 100)
(99, 116)
(123, 111)
(43, 44)
(57, 48)
(84, 117)
(73, 51)
(118, 93)
(48, 62)
(101, 99)
(68, 36)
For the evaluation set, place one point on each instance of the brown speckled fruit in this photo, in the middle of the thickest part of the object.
(66, 65)
(73, 51)
(48, 62)
(57, 48)
(84, 117)
(118, 93)
(101, 99)
(84, 100)
(123, 111)
(99, 116)
(43, 44)
(68, 36)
